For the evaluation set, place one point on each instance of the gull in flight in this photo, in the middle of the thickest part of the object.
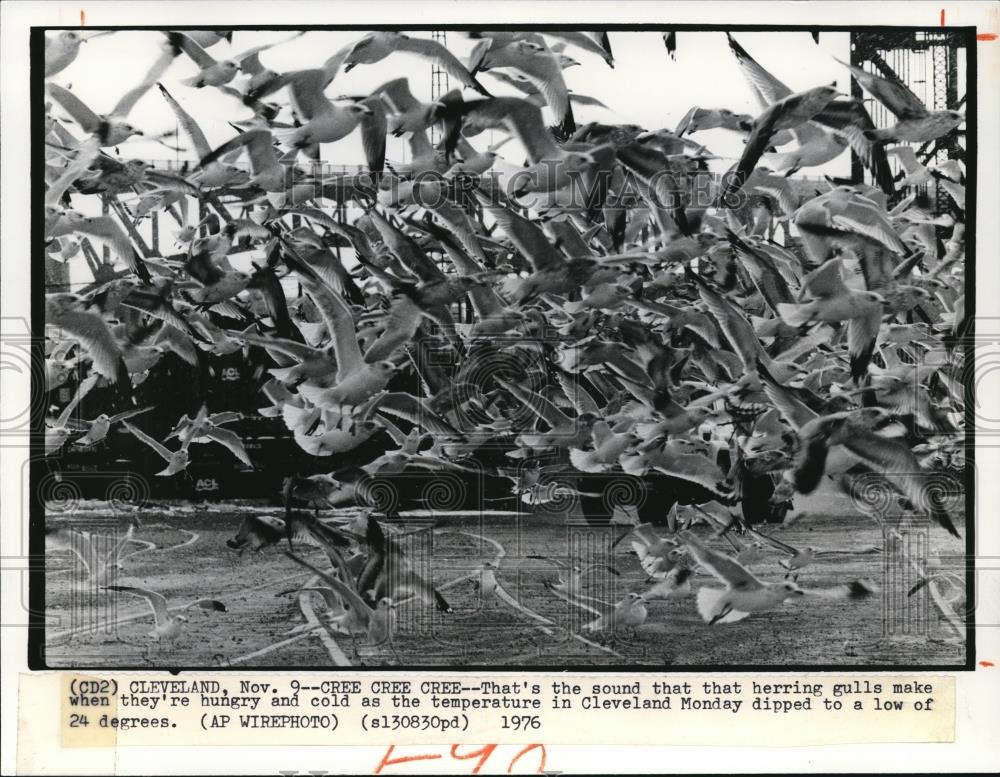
(101, 568)
(552, 167)
(789, 112)
(376, 46)
(61, 51)
(356, 379)
(212, 72)
(893, 459)
(66, 312)
(744, 594)
(209, 173)
(802, 557)
(324, 122)
(168, 627)
(827, 298)
(376, 623)
(59, 431)
(112, 129)
(629, 613)
(408, 113)
(572, 585)
(915, 123)
(540, 66)
(814, 144)
(101, 425)
(177, 461)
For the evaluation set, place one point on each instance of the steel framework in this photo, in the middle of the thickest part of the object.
(932, 64)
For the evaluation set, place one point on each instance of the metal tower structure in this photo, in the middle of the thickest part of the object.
(439, 82)
(932, 64)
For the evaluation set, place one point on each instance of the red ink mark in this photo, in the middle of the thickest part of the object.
(388, 761)
(986, 36)
(942, 17)
(525, 751)
(486, 751)
(987, 664)
(83, 18)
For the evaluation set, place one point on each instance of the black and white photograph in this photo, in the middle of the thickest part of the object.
(512, 347)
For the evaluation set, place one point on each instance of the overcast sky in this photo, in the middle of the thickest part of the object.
(646, 87)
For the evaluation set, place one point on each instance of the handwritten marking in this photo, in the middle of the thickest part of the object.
(986, 36)
(942, 17)
(483, 754)
(986, 664)
(486, 751)
(527, 749)
(387, 761)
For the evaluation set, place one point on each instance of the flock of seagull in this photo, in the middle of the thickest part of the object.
(587, 312)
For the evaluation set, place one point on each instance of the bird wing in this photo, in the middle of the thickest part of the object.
(231, 441)
(128, 414)
(207, 604)
(825, 282)
(856, 589)
(792, 409)
(527, 237)
(547, 77)
(157, 446)
(79, 543)
(306, 88)
(154, 74)
(524, 119)
(157, 602)
(774, 542)
(757, 143)
(373, 129)
(260, 149)
(251, 53)
(405, 249)
(75, 107)
(851, 119)
(106, 231)
(81, 391)
(538, 404)
(892, 94)
(399, 327)
(899, 465)
(397, 93)
(431, 49)
(347, 594)
(559, 563)
(725, 569)
(201, 57)
(416, 411)
(194, 132)
(340, 323)
(92, 332)
(862, 332)
(865, 217)
(766, 88)
(86, 153)
(737, 329)
(579, 396)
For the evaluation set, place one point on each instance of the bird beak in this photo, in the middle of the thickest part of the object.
(349, 66)
(138, 132)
